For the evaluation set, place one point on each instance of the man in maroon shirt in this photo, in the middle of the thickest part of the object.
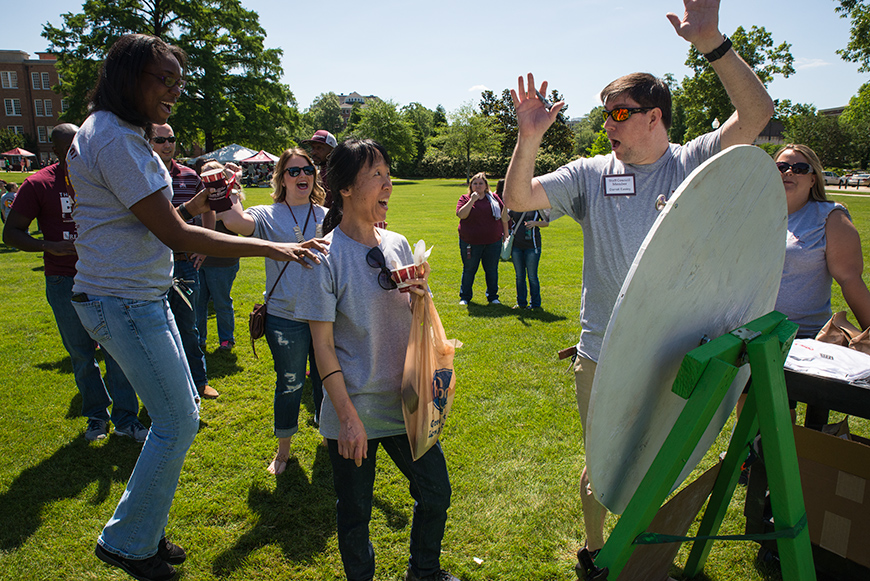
(47, 197)
(182, 297)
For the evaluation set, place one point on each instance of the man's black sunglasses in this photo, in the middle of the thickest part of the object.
(375, 259)
(161, 140)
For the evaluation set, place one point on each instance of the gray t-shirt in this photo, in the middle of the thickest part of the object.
(805, 290)
(614, 226)
(371, 329)
(275, 223)
(111, 167)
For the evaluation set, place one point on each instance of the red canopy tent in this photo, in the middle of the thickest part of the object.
(19, 151)
(261, 157)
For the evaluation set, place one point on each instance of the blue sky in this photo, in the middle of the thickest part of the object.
(445, 52)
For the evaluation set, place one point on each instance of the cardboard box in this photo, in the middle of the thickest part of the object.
(835, 478)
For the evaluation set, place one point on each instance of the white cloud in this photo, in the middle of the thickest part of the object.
(805, 63)
(478, 88)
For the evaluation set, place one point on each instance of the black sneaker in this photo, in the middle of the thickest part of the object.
(441, 575)
(170, 552)
(150, 569)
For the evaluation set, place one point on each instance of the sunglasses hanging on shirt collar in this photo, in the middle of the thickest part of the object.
(375, 258)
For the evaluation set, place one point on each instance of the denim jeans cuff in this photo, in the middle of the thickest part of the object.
(286, 432)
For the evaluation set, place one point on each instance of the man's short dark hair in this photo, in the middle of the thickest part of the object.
(645, 89)
(64, 132)
(118, 89)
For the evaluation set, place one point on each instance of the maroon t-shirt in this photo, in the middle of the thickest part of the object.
(481, 227)
(44, 197)
(186, 183)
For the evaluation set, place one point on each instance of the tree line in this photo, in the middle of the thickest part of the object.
(234, 95)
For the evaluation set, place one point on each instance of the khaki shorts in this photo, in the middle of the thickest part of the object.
(584, 373)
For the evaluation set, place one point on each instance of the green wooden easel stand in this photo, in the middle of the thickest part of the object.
(703, 380)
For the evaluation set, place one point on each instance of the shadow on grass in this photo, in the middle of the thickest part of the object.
(298, 516)
(222, 364)
(60, 366)
(65, 365)
(766, 565)
(65, 474)
(497, 311)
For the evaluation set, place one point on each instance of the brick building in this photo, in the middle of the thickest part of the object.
(30, 107)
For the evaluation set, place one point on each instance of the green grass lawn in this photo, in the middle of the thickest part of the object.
(513, 442)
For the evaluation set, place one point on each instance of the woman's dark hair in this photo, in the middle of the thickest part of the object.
(119, 85)
(345, 162)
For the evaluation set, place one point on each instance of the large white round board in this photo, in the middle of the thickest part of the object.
(711, 263)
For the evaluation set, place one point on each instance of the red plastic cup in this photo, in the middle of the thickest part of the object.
(403, 274)
(219, 199)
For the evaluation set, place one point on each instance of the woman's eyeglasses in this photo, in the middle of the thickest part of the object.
(169, 81)
(799, 168)
(375, 259)
(295, 171)
(161, 140)
(623, 113)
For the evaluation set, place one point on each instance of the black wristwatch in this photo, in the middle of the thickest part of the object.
(719, 52)
(184, 213)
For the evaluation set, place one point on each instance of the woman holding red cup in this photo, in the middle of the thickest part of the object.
(296, 215)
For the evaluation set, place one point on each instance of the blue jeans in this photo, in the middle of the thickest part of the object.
(185, 320)
(473, 255)
(429, 485)
(526, 264)
(143, 339)
(216, 283)
(96, 396)
(291, 346)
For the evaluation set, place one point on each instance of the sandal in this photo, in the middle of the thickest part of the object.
(279, 464)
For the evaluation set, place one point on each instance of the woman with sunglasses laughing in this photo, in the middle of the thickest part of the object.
(360, 323)
(296, 215)
(822, 245)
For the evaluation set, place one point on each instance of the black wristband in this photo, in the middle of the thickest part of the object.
(184, 213)
(719, 52)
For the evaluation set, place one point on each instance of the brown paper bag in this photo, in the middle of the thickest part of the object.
(428, 381)
(839, 331)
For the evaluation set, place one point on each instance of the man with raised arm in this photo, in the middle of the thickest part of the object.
(613, 197)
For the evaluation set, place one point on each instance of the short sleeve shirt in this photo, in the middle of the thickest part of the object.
(112, 167)
(371, 327)
(44, 197)
(615, 225)
(275, 223)
(481, 226)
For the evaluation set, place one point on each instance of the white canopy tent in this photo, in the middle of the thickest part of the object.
(233, 152)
